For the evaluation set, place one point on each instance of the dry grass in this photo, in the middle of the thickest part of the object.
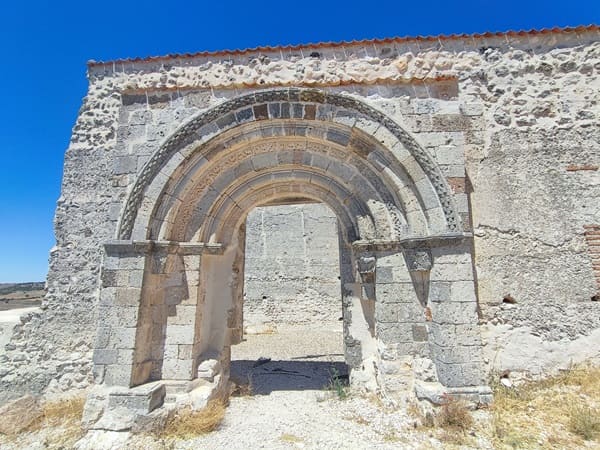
(557, 412)
(584, 421)
(450, 423)
(454, 414)
(391, 436)
(187, 424)
(63, 415)
(454, 421)
(424, 420)
(356, 418)
(241, 389)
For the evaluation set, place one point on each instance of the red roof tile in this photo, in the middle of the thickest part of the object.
(581, 28)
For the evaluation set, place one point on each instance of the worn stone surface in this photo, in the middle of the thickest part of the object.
(407, 140)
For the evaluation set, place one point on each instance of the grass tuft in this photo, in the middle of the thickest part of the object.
(241, 389)
(584, 421)
(454, 414)
(337, 384)
(187, 424)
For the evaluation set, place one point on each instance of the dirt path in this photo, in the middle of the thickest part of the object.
(292, 406)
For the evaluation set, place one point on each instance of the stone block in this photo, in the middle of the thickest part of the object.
(132, 262)
(451, 272)
(125, 164)
(264, 161)
(396, 293)
(397, 274)
(179, 334)
(454, 312)
(385, 137)
(178, 369)
(118, 374)
(108, 296)
(419, 333)
(393, 333)
(471, 109)
(454, 335)
(434, 392)
(425, 106)
(102, 336)
(462, 291)
(386, 312)
(186, 315)
(123, 316)
(125, 355)
(456, 254)
(410, 312)
(123, 338)
(136, 278)
(439, 291)
(184, 351)
(117, 419)
(449, 154)
(457, 354)
(108, 278)
(152, 423)
(105, 356)
(457, 375)
(140, 399)
(126, 296)
(208, 368)
(414, 348)
(461, 201)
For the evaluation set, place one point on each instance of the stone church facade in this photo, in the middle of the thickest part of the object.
(462, 171)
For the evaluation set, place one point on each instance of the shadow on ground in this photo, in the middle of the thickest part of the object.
(265, 376)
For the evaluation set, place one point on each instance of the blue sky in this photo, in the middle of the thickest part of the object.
(44, 47)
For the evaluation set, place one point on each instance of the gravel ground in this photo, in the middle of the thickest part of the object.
(291, 405)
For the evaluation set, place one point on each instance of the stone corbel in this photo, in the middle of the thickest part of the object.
(419, 262)
(366, 268)
(365, 265)
(418, 259)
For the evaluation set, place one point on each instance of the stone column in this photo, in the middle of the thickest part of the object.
(148, 312)
(400, 319)
(181, 299)
(455, 338)
(426, 319)
(183, 309)
(357, 270)
(118, 309)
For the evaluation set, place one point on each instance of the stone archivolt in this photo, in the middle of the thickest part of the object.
(363, 137)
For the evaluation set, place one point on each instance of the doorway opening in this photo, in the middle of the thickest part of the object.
(292, 311)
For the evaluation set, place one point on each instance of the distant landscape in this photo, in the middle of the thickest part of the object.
(21, 295)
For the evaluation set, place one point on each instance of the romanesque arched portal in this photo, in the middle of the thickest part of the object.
(173, 277)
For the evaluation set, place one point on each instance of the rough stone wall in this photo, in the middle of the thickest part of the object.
(292, 265)
(534, 187)
(528, 108)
